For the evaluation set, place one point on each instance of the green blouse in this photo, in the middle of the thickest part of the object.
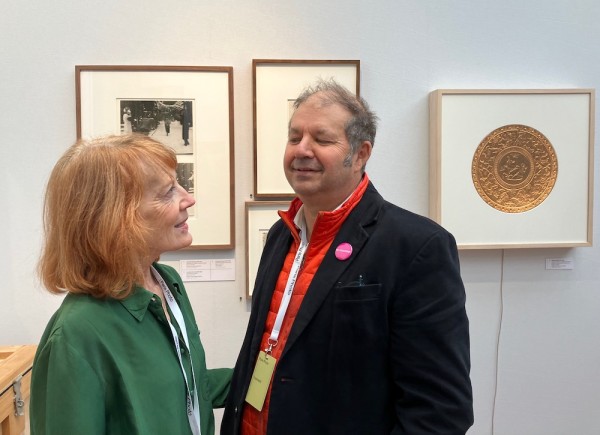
(110, 367)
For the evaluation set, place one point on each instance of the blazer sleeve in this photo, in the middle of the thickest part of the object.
(429, 339)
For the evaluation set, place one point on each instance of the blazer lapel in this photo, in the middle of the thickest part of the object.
(353, 231)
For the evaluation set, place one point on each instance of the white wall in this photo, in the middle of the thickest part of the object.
(535, 333)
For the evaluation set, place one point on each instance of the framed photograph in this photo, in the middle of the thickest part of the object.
(513, 168)
(260, 217)
(276, 85)
(188, 108)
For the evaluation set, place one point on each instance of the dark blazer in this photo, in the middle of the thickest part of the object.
(381, 342)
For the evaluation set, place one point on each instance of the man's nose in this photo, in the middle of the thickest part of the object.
(304, 148)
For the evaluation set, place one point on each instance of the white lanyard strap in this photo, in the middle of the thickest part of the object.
(192, 408)
(289, 288)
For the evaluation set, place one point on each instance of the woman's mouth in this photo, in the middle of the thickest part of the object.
(182, 224)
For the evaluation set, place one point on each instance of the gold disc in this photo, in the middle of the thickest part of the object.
(514, 168)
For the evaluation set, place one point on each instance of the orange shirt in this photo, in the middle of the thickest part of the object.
(326, 227)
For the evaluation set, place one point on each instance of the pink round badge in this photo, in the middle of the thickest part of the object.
(343, 251)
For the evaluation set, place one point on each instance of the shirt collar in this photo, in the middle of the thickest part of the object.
(299, 219)
(138, 301)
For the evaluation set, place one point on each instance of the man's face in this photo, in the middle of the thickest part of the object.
(317, 160)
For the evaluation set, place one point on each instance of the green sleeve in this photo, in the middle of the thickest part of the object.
(67, 397)
(219, 381)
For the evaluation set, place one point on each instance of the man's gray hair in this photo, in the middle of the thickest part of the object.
(362, 124)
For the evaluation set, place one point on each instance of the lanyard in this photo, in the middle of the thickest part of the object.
(289, 288)
(192, 407)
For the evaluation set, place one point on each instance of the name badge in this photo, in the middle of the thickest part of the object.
(261, 379)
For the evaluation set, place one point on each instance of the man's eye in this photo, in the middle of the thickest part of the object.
(324, 141)
(293, 139)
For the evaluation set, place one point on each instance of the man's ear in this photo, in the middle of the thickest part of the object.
(363, 153)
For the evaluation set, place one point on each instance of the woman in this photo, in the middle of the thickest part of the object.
(122, 355)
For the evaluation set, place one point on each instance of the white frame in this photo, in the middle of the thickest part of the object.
(99, 87)
(461, 119)
(276, 83)
(260, 217)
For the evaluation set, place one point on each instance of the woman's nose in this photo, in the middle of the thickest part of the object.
(188, 200)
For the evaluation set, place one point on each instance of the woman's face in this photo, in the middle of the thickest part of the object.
(164, 210)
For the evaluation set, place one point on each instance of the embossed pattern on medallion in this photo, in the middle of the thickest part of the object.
(514, 168)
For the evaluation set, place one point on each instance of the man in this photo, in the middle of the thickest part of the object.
(186, 122)
(358, 322)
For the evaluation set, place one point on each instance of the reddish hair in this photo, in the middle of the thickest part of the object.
(95, 238)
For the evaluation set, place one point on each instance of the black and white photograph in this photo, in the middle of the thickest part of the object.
(168, 121)
(185, 178)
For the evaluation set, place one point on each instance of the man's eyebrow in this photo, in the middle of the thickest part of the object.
(320, 130)
(323, 130)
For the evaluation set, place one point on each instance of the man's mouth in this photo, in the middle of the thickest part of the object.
(305, 169)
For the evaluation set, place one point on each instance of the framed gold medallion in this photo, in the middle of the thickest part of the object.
(513, 168)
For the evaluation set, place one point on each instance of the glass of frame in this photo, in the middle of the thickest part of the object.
(513, 168)
(276, 85)
(260, 217)
(190, 109)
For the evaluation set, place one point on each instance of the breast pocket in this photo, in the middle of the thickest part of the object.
(359, 328)
(359, 316)
(357, 293)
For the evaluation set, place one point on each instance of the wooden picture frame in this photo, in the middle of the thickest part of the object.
(276, 85)
(260, 217)
(531, 148)
(190, 109)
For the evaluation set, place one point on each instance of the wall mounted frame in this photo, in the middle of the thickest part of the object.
(461, 122)
(260, 217)
(206, 164)
(276, 84)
